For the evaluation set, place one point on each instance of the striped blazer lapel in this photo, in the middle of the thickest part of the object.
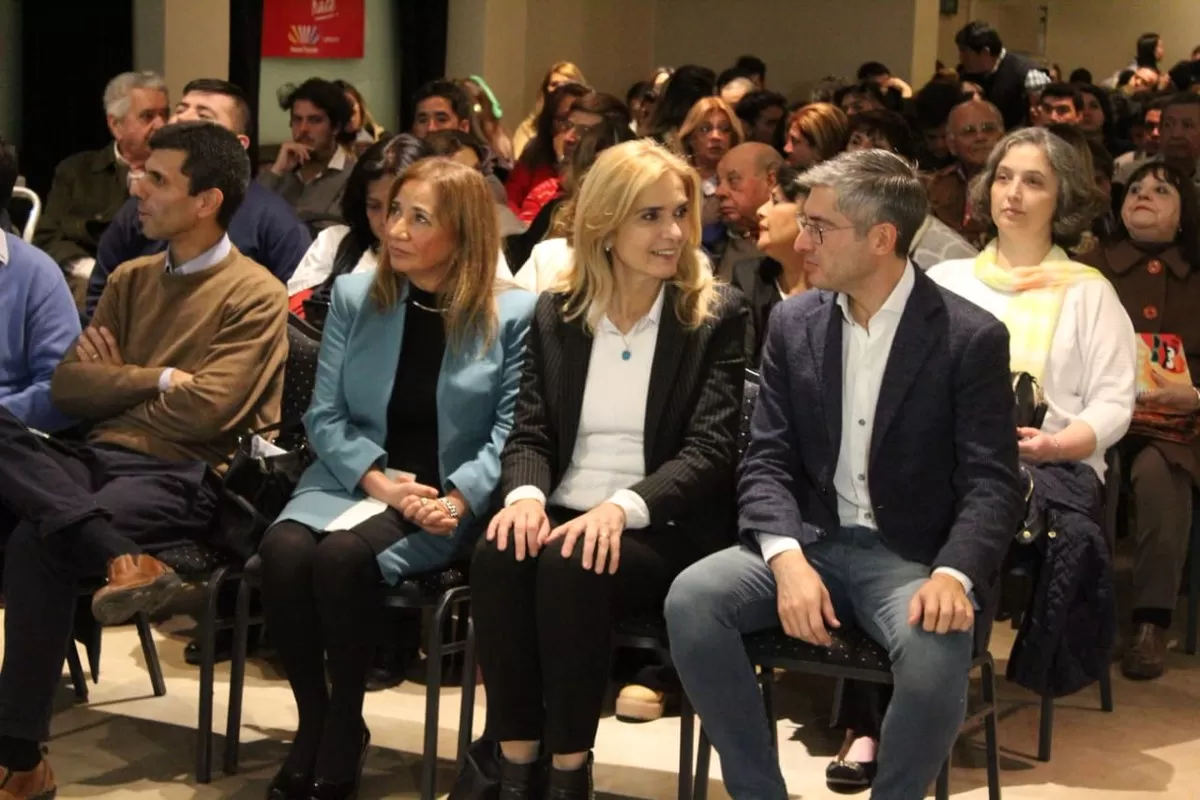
(669, 354)
(571, 376)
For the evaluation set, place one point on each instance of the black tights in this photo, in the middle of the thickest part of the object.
(323, 597)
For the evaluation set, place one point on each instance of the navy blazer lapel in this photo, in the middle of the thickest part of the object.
(825, 339)
(668, 355)
(915, 339)
(576, 355)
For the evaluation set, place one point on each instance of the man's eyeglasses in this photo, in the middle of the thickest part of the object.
(986, 127)
(817, 230)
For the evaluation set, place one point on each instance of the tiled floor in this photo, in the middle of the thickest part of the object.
(125, 743)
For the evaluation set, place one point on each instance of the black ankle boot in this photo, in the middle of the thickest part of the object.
(575, 784)
(521, 781)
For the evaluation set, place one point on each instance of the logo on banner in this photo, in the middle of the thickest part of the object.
(304, 35)
(324, 9)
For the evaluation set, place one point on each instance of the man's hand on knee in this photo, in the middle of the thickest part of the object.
(805, 607)
(941, 605)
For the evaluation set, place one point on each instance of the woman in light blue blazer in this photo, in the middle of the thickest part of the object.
(416, 386)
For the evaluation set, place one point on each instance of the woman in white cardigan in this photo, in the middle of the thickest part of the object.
(1067, 328)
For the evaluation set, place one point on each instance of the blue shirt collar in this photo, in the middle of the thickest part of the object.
(209, 258)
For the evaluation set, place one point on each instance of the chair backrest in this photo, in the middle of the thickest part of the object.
(299, 377)
(35, 210)
(749, 400)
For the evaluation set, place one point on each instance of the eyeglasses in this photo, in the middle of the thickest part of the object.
(986, 127)
(566, 126)
(818, 230)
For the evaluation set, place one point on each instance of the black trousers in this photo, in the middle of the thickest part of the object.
(544, 629)
(67, 510)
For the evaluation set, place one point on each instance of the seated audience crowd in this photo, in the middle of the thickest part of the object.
(534, 350)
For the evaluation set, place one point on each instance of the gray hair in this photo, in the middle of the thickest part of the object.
(1079, 201)
(116, 93)
(874, 187)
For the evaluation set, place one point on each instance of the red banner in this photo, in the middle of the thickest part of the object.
(312, 29)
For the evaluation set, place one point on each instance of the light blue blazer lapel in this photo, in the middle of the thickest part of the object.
(369, 373)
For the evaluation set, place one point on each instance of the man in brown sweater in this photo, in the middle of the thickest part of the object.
(185, 352)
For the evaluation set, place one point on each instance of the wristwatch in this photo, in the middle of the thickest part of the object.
(450, 506)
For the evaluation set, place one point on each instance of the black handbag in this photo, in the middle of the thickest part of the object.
(1031, 402)
(256, 489)
(480, 775)
(1033, 526)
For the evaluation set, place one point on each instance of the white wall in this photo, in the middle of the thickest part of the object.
(1102, 35)
(376, 75)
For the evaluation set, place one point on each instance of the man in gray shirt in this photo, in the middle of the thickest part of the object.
(310, 171)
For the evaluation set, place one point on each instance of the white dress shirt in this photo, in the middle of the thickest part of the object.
(609, 454)
(865, 352)
(317, 263)
(1091, 373)
(209, 258)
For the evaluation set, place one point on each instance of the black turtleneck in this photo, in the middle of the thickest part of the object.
(412, 431)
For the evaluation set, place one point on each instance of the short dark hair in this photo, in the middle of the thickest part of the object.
(862, 87)
(934, 102)
(753, 104)
(213, 159)
(1080, 75)
(243, 118)
(752, 65)
(1102, 160)
(785, 179)
(451, 92)
(1188, 235)
(871, 70)
(730, 75)
(1147, 44)
(327, 96)
(1180, 99)
(1063, 91)
(605, 105)
(891, 126)
(979, 36)
(9, 169)
(638, 91)
(686, 85)
(1185, 75)
(450, 141)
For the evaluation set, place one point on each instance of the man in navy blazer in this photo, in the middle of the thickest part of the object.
(880, 487)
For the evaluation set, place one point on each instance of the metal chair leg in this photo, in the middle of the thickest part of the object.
(990, 732)
(1045, 728)
(687, 743)
(208, 657)
(75, 668)
(703, 756)
(433, 696)
(942, 792)
(150, 654)
(767, 680)
(1193, 601)
(1106, 697)
(466, 714)
(839, 690)
(237, 678)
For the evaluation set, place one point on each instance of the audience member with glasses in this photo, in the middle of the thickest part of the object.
(536, 175)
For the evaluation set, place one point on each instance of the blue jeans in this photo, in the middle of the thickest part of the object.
(713, 602)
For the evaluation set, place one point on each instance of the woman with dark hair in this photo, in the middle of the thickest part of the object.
(882, 129)
(1149, 51)
(686, 85)
(534, 179)
(1153, 262)
(488, 114)
(560, 73)
(354, 247)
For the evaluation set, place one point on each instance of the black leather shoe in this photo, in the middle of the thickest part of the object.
(289, 786)
(574, 784)
(322, 789)
(521, 781)
(849, 777)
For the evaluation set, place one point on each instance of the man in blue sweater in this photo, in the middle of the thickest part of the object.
(38, 320)
(265, 228)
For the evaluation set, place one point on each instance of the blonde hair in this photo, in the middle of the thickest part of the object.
(695, 118)
(606, 201)
(567, 68)
(466, 209)
(824, 125)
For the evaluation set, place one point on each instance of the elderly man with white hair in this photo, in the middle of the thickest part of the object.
(90, 187)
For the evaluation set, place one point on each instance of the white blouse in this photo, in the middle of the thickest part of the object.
(1091, 372)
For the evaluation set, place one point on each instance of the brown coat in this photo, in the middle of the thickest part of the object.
(1161, 294)
(948, 190)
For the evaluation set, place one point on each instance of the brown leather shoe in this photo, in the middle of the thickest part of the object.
(36, 784)
(135, 583)
(1146, 659)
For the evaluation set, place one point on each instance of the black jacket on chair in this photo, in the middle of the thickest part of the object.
(692, 413)
(757, 278)
(943, 469)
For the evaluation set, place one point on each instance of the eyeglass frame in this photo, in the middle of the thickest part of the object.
(818, 230)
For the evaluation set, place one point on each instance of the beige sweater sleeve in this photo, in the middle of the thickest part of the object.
(248, 349)
(101, 391)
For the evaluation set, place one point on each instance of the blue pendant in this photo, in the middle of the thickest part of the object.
(626, 355)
